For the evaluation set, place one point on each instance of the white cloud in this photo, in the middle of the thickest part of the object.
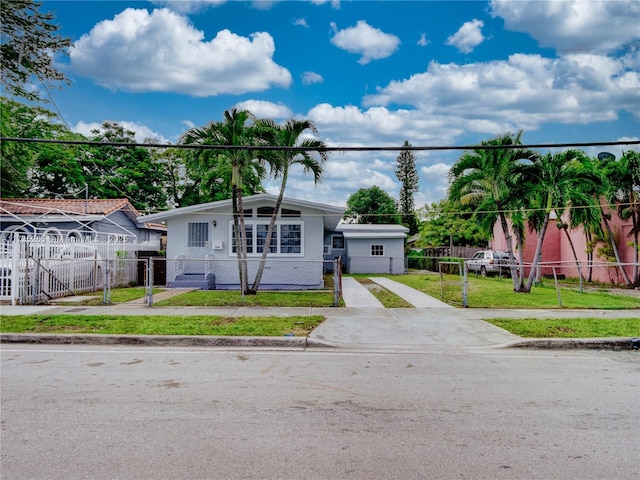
(371, 43)
(160, 51)
(302, 22)
(573, 25)
(263, 109)
(422, 41)
(188, 6)
(142, 133)
(309, 78)
(334, 3)
(525, 91)
(468, 37)
(435, 181)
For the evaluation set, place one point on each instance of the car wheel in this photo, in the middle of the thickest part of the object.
(483, 271)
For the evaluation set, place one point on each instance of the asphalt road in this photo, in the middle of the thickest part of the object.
(72, 412)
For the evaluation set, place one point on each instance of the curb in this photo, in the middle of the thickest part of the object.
(606, 343)
(160, 340)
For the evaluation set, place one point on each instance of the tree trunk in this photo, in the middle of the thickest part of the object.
(573, 248)
(509, 242)
(614, 246)
(236, 231)
(520, 246)
(243, 247)
(270, 229)
(538, 254)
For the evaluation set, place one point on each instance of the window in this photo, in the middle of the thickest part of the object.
(337, 241)
(290, 238)
(249, 233)
(261, 238)
(285, 240)
(326, 250)
(377, 250)
(285, 212)
(198, 235)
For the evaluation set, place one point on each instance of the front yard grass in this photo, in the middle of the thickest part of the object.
(233, 298)
(118, 295)
(498, 293)
(386, 297)
(570, 327)
(161, 325)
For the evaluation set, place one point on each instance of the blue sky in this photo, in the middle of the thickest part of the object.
(367, 73)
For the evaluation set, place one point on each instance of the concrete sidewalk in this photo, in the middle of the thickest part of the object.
(393, 329)
(411, 295)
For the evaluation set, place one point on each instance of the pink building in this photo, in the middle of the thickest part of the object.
(556, 249)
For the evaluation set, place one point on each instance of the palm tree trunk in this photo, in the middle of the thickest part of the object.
(573, 248)
(270, 229)
(614, 246)
(538, 254)
(243, 246)
(509, 242)
(236, 231)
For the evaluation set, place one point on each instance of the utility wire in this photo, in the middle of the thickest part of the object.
(319, 149)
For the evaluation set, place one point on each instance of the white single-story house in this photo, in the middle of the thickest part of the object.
(374, 248)
(201, 249)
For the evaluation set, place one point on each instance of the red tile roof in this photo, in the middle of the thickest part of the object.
(38, 206)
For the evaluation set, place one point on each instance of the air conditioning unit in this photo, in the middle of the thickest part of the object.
(218, 246)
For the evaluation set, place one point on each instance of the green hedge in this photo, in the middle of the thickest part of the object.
(431, 263)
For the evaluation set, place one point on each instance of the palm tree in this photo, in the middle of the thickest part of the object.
(623, 189)
(291, 135)
(240, 128)
(553, 182)
(485, 177)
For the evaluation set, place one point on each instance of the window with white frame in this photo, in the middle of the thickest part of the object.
(197, 234)
(286, 238)
(377, 250)
(248, 228)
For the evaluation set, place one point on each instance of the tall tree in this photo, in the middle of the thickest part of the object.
(291, 135)
(553, 182)
(622, 190)
(448, 222)
(123, 171)
(30, 41)
(240, 128)
(36, 169)
(485, 178)
(371, 205)
(407, 174)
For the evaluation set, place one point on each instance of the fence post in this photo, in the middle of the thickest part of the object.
(465, 287)
(105, 290)
(580, 276)
(150, 281)
(336, 282)
(555, 278)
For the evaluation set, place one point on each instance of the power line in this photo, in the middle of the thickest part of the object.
(318, 149)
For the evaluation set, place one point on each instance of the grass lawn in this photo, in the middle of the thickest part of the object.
(221, 298)
(570, 327)
(498, 293)
(161, 325)
(386, 297)
(118, 295)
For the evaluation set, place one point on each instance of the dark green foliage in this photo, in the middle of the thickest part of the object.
(407, 174)
(371, 205)
(447, 221)
(29, 42)
(123, 172)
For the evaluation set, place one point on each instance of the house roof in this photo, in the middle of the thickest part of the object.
(38, 206)
(332, 214)
(357, 230)
(68, 209)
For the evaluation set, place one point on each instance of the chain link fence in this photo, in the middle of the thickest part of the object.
(564, 285)
(150, 281)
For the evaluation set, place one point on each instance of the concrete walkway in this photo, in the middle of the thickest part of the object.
(356, 295)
